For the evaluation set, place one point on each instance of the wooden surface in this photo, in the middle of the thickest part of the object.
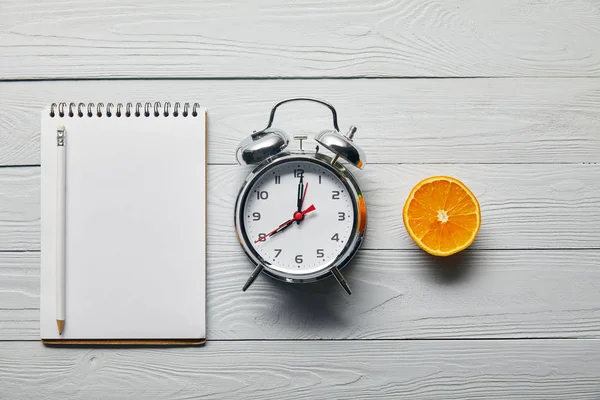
(503, 95)
(431, 121)
(523, 206)
(516, 369)
(396, 295)
(303, 38)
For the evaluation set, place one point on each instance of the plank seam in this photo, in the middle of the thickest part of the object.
(290, 78)
(415, 250)
(382, 163)
(540, 338)
(268, 78)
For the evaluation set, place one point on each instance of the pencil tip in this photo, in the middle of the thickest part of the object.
(61, 324)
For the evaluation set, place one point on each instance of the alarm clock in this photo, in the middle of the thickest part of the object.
(300, 215)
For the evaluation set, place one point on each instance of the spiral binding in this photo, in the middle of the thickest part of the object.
(146, 109)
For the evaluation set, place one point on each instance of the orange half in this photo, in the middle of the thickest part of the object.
(442, 215)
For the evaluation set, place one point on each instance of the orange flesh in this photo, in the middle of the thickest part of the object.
(442, 215)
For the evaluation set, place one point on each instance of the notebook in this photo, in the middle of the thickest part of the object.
(135, 223)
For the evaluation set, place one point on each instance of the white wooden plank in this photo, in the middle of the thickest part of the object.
(19, 208)
(400, 121)
(523, 206)
(302, 370)
(20, 324)
(267, 38)
(396, 295)
(19, 280)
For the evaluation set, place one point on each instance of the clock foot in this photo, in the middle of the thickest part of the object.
(340, 278)
(252, 277)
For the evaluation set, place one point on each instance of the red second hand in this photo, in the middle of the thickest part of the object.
(304, 195)
(309, 209)
(297, 217)
(286, 223)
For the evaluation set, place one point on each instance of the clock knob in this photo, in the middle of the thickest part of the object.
(342, 146)
(261, 145)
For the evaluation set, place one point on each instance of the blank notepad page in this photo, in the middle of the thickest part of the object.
(135, 227)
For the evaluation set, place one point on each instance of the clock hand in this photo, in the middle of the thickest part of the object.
(300, 197)
(298, 216)
(304, 195)
(276, 230)
(281, 227)
(310, 209)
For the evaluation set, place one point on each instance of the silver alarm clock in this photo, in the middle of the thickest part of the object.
(300, 215)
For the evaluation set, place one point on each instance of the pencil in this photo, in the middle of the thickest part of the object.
(60, 228)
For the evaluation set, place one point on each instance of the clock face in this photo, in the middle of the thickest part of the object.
(298, 216)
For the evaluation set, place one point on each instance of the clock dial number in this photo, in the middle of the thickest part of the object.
(308, 243)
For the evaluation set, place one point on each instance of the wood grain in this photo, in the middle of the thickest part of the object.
(301, 370)
(396, 295)
(19, 208)
(523, 206)
(19, 280)
(399, 121)
(523, 136)
(266, 38)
